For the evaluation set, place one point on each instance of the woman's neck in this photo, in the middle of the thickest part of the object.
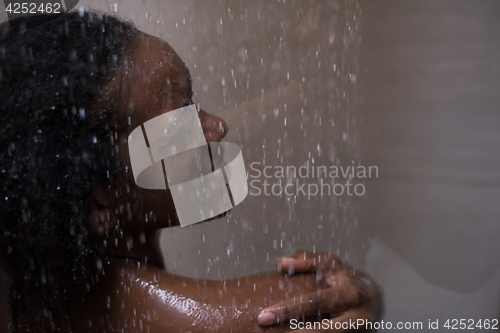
(143, 248)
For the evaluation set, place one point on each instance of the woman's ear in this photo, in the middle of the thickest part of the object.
(102, 216)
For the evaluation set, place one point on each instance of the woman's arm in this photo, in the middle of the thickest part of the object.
(146, 299)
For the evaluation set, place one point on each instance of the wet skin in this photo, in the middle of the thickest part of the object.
(134, 293)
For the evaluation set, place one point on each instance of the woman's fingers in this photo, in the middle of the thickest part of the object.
(348, 289)
(304, 261)
(334, 299)
(292, 265)
(349, 321)
(336, 279)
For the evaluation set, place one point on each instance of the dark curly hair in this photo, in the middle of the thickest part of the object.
(55, 143)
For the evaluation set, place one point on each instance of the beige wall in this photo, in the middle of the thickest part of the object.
(432, 124)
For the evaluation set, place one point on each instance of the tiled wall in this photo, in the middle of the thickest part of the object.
(432, 123)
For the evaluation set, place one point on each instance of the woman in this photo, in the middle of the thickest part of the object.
(78, 237)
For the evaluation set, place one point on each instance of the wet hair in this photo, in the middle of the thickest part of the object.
(55, 143)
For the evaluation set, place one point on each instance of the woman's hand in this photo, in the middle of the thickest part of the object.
(351, 295)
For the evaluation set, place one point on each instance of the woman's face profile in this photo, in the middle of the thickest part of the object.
(155, 80)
